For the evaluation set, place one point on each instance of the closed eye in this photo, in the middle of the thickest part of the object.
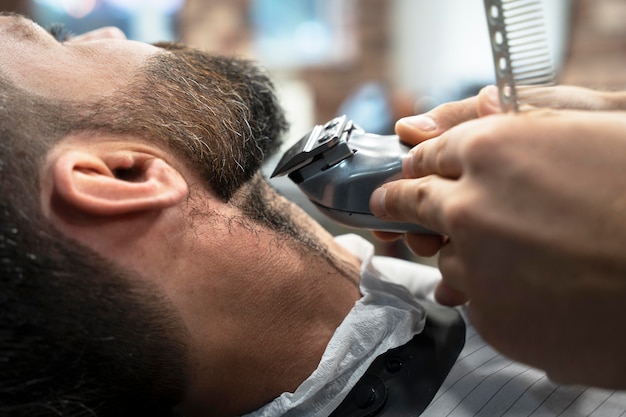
(59, 32)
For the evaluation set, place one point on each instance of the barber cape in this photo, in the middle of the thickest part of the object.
(387, 316)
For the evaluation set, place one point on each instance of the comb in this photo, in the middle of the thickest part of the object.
(521, 54)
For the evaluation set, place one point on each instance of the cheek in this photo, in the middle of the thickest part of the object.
(78, 72)
(58, 76)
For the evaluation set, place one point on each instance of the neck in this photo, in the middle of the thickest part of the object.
(284, 316)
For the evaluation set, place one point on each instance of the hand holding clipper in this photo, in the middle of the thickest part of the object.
(338, 165)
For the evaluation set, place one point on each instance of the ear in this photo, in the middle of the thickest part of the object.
(114, 182)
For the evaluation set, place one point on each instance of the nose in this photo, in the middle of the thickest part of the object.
(109, 32)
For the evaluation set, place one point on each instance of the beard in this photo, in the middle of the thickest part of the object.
(219, 115)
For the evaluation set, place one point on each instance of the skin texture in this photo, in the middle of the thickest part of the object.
(252, 330)
(530, 207)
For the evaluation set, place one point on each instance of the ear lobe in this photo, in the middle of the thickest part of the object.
(118, 183)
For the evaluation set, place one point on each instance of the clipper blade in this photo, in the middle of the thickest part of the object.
(520, 48)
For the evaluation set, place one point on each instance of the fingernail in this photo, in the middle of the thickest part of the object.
(493, 97)
(421, 122)
(377, 202)
(408, 165)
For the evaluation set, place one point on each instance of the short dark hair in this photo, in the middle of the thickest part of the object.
(78, 336)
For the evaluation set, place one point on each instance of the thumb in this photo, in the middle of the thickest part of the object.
(488, 101)
(417, 129)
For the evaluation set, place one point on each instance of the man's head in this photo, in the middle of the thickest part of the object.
(139, 242)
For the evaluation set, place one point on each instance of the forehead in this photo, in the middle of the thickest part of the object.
(95, 67)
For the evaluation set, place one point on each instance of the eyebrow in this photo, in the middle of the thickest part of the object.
(59, 32)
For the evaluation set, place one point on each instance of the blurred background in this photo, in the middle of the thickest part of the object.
(374, 60)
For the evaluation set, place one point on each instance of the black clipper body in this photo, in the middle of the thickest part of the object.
(338, 166)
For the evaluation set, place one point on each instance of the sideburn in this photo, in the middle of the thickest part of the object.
(264, 206)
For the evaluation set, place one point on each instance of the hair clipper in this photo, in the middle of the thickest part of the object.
(338, 165)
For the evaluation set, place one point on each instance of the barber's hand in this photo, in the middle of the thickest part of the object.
(416, 129)
(533, 206)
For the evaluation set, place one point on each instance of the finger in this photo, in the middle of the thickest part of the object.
(437, 156)
(448, 296)
(418, 201)
(416, 129)
(488, 101)
(453, 273)
(424, 245)
(570, 97)
(386, 236)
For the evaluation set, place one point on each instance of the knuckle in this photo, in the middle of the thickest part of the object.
(484, 147)
(458, 214)
(480, 145)
(464, 214)
(421, 193)
(410, 201)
